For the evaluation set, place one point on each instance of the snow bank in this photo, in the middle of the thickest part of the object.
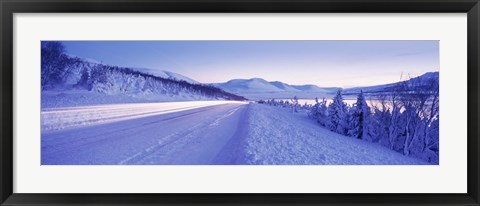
(278, 136)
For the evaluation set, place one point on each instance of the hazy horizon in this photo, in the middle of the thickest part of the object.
(323, 63)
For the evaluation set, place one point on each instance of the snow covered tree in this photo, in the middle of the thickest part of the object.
(312, 113)
(431, 118)
(431, 151)
(53, 63)
(318, 112)
(306, 106)
(421, 108)
(386, 123)
(322, 113)
(295, 104)
(415, 99)
(337, 115)
(360, 118)
(379, 127)
(84, 79)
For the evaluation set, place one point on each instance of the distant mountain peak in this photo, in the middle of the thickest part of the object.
(261, 88)
(430, 75)
(167, 75)
(257, 79)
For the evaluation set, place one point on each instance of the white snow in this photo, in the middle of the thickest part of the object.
(90, 60)
(205, 133)
(258, 88)
(248, 85)
(167, 75)
(279, 136)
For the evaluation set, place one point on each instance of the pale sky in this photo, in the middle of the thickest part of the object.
(323, 63)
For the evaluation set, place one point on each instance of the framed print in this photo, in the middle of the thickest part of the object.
(239, 102)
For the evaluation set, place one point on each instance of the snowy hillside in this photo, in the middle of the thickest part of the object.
(259, 88)
(167, 75)
(284, 87)
(73, 81)
(421, 81)
(249, 85)
(297, 140)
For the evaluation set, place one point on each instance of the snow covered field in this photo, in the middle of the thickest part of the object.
(203, 132)
(279, 136)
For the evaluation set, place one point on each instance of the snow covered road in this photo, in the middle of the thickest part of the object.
(68, 117)
(158, 133)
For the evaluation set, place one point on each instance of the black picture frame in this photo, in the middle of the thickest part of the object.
(10, 7)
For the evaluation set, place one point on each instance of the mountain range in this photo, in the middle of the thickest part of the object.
(258, 88)
(166, 75)
(420, 81)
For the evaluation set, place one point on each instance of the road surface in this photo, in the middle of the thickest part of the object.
(144, 134)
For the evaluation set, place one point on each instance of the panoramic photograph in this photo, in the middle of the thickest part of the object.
(235, 102)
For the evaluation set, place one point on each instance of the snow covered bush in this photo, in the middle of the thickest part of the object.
(318, 112)
(407, 119)
(53, 63)
(338, 115)
(360, 119)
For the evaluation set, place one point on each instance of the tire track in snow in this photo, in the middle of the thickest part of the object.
(64, 118)
(233, 153)
(103, 136)
(188, 136)
(74, 119)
